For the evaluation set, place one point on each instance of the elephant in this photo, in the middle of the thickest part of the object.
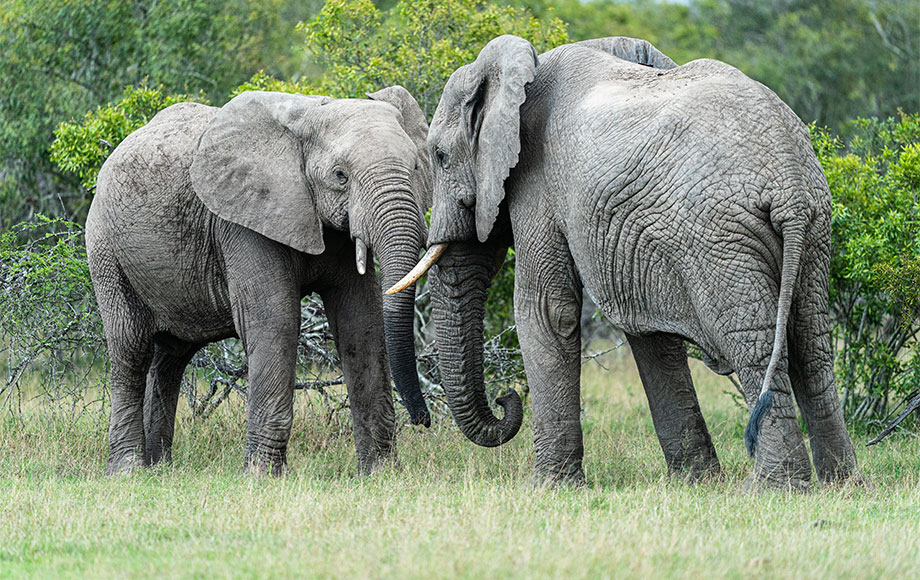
(685, 200)
(211, 223)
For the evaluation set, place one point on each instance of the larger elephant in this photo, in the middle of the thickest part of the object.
(688, 203)
(215, 222)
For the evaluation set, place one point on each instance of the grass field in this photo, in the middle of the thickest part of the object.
(452, 510)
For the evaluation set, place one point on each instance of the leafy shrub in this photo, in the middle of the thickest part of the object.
(82, 147)
(416, 44)
(874, 291)
(49, 325)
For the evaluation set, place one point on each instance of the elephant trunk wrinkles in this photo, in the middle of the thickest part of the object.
(397, 237)
(459, 284)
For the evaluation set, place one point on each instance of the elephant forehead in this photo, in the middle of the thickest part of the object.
(355, 114)
(365, 127)
(459, 86)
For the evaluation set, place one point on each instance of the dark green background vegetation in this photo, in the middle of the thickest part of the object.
(851, 67)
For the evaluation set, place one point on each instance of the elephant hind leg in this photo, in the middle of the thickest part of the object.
(781, 459)
(162, 396)
(128, 326)
(812, 374)
(679, 424)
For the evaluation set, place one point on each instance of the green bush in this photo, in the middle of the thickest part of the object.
(874, 292)
(416, 43)
(82, 147)
(49, 325)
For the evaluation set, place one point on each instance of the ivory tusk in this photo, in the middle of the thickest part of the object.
(427, 261)
(360, 256)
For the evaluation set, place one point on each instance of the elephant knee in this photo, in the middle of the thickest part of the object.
(554, 320)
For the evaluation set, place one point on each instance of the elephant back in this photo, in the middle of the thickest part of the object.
(164, 146)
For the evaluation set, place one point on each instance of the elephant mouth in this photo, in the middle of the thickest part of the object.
(428, 260)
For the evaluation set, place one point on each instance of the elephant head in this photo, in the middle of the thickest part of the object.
(475, 141)
(289, 166)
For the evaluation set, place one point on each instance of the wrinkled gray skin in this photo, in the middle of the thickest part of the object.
(210, 223)
(680, 198)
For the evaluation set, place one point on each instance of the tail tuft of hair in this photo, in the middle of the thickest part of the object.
(752, 432)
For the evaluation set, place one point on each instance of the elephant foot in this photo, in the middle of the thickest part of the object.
(567, 478)
(842, 471)
(263, 464)
(700, 465)
(157, 456)
(370, 466)
(758, 484)
(696, 473)
(852, 480)
(124, 464)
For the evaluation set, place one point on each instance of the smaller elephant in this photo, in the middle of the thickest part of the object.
(212, 222)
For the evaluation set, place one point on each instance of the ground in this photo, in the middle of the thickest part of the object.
(451, 510)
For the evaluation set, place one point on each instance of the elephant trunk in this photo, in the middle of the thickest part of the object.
(397, 236)
(459, 284)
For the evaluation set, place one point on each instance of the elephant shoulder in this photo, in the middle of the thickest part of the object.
(178, 127)
(149, 168)
(709, 67)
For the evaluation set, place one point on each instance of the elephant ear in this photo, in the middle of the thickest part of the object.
(631, 49)
(413, 122)
(249, 168)
(492, 116)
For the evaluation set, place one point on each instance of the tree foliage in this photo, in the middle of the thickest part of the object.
(417, 44)
(61, 59)
(874, 181)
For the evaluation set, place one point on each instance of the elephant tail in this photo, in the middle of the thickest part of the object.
(793, 244)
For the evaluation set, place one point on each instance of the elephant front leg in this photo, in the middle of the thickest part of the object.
(679, 424)
(356, 320)
(270, 340)
(547, 299)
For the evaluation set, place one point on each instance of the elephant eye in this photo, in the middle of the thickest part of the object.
(442, 158)
(341, 177)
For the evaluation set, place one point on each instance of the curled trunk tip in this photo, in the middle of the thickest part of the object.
(502, 430)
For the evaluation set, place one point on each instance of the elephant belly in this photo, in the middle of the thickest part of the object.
(641, 288)
(169, 259)
(656, 306)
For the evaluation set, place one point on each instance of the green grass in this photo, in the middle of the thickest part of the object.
(451, 510)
